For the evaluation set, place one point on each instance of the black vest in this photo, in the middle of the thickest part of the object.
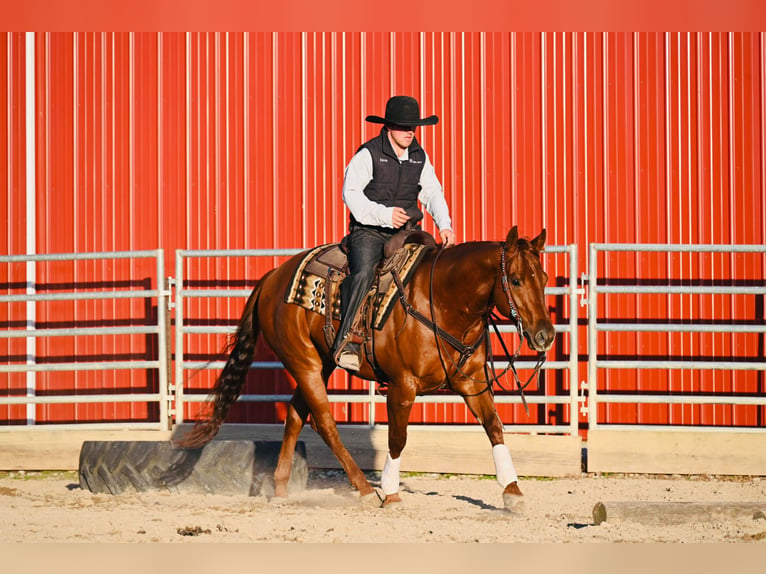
(395, 184)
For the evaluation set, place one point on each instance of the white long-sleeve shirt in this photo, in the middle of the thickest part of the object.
(359, 173)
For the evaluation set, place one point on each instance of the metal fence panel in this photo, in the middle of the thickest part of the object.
(113, 332)
(707, 351)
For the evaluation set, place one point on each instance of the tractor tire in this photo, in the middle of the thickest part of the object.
(220, 467)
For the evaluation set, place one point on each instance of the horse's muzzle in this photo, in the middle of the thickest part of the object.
(543, 338)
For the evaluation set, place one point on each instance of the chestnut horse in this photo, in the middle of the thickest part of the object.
(436, 338)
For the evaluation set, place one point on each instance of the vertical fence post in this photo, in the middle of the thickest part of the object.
(592, 337)
(169, 352)
(372, 403)
(31, 221)
(574, 417)
(179, 333)
(162, 343)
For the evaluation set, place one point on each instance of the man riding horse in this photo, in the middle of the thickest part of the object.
(438, 338)
(383, 184)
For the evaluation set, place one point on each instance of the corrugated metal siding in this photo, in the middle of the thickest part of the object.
(205, 141)
(12, 191)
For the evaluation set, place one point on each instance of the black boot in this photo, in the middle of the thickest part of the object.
(365, 253)
(346, 353)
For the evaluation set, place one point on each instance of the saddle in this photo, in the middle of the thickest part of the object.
(315, 284)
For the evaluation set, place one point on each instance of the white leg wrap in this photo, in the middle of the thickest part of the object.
(506, 473)
(389, 480)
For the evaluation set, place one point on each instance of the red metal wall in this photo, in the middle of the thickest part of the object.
(207, 141)
(12, 206)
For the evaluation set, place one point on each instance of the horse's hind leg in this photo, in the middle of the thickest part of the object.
(315, 396)
(297, 413)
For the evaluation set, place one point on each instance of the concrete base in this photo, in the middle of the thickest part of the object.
(693, 451)
(459, 450)
(455, 450)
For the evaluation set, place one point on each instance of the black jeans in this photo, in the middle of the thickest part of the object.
(365, 252)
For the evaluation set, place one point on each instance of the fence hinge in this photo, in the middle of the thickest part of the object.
(170, 284)
(583, 400)
(171, 400)
(581, 291)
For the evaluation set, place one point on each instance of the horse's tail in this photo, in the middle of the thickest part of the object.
(232, 377)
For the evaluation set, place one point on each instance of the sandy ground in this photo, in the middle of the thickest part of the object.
(51, 507)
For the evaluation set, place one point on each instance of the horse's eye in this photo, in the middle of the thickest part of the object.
(515, 282)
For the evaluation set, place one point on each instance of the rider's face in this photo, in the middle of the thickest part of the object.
(401, 137)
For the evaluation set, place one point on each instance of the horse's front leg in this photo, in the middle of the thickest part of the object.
(399, 405)
(483, 408)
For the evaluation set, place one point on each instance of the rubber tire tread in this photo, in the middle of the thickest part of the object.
(221, 467)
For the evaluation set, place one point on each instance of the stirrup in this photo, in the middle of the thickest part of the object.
(347, 355)
(348, 360)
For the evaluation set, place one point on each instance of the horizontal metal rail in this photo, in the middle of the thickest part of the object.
(685, 325)
(688, 399)
(340, 397)
(90, 256)
(100, 426)
(75, 332)
(678, 247)
(83, 399)
(86, 296)
(681, 290)
(182, 295)
(89, 366)
(679, 327)
(217, 365)
(691, 363)
(690, 428)
(33, 364)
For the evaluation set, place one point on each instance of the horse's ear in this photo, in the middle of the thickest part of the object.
(539, 242)
(512, 238)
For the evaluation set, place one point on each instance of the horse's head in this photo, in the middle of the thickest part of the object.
(522, 288)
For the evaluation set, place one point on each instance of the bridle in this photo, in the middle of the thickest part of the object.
(520, 330)
(465, 352)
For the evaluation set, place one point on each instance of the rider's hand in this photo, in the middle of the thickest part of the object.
(399, 217)
(448, 237)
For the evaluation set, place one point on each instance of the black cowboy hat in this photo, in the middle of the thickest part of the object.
(403, 111)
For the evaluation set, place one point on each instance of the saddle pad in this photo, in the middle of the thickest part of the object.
(307, 285)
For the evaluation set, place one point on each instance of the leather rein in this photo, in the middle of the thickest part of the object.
(465, 352)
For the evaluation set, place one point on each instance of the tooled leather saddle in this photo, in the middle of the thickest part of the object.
(315, 284)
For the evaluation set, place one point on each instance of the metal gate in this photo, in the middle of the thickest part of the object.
(688, 350)
(691, 351)
(86, 332)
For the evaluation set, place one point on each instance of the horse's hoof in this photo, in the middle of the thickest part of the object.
(513, 499)
(513, 502)
(278, 500)
(371, 500)
(392, 500)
